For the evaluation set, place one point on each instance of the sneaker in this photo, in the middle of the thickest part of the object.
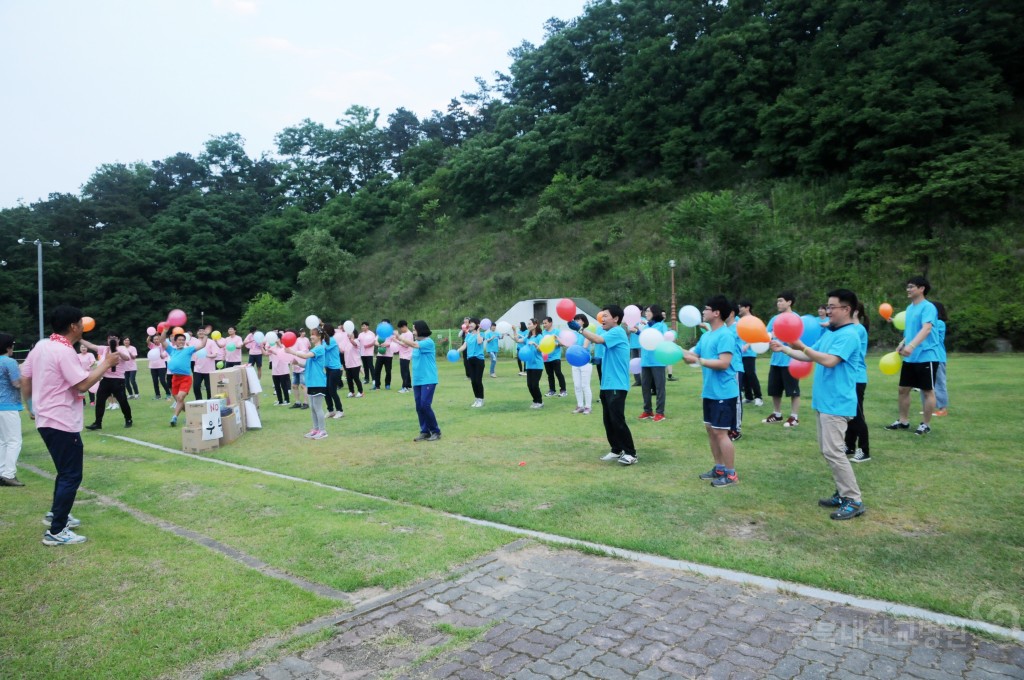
(434, 437)
(296, 405)
(11, 481)
(671, 378)
(713, 474)
(860, 457)
(848, 510)
(422, 436)
(358, 396)
(493, 376)
(748, 401)
(110, 407)
(536, 405)
(922, 429)
(658, 417)
(611, 455)
(94, 427)
(338, 415)
(114, 407)
(127, 423)
(64, 537)
(322, 434)
(725, 480)
(627, 459)
(833, 501)
(586, 411)
(278, 403)
(578, 409)
(522, 373)
(646, 415)
(791, 421)
(174, 421)
(773, 418)
(73, 521)
(940, 412)
(735, 435)
(563, 393)
(897, 425)
(305, 406)
(387, 387)
(759, 402)
(549, 393)
(312, 433)
(351, 394)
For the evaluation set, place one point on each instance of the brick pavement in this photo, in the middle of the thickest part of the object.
(533, 612)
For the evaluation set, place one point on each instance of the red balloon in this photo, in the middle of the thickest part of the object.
(160, 327)
(177, 318)
(800, 369)
(788, 327)
(566, 309)
(288, 339)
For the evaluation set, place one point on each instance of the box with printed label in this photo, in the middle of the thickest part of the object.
(192, 441)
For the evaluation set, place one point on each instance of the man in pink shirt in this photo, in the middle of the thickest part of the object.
(204, 365)
(255, 351)
(299, 370)
(367, 341)
(233, 356)
(405, 355)
(52, 384)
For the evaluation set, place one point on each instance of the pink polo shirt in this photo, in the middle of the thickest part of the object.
(280, 361)
(116, 371)
(367, 341)
(133, 354)
(157, 357)
(254, 347)
(389, 347)
(349, 348)
(207, 364)
(405, 352)
(298, 363)
(55, 369)
(236, 355)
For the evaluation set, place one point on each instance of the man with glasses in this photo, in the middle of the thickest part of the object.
(839, 356)
(920, 349)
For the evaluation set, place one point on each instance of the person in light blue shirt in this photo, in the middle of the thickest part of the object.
(652, 371)
(553, 362)
(10, 418)
(857, 446)
(737, 367)
(838, 355)
(779, 378)
(492, 337)
(424, 379)
(920, 353)
(518, 337)
(614, 383)
(941, 394)
(473, 346)
(721, 391)
(316, 380)
(533, 362)
(581, 374)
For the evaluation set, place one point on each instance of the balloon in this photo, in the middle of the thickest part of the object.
(650, 338)
(634, 366)
(485, 325)
(215, 335)
(178, 330)
(271, 338)
(667, 353)
(503, 327)
(258, 337)
(177, 318)
(800, 369)
(900, 321)
(631, 315)
(567, 338)
(547, 344)
(760, 347)
(384, 331)
(348, 326)
(88, 323)
(600, 315)
(577, 356)
(231, 347)
(890, 363)
(220, 365)
(161, 327)
(670, 336)
(788, 327)
(465, 326)
(885, 310)
(453, 355)
(288, 339)
(527, 354)
(150, 331)
(689, 316)
(312, 321)
(751, 329)
(566, 309)
(812, 329)
(201, 354)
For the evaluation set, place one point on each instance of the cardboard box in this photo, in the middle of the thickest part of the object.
(232, 383)
(192, 441)
(233, 428)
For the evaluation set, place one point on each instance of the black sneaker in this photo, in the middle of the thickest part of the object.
(735, 435)
(305, 406)
(712, 474)
(848, 510)
(549, 393)
(422, 436)
(922, 429)
(725, 480)
(860, 457)
(296, 405)
(898, 426)
(434, 437)
(94, 427)
(127, 423)
(835, 501)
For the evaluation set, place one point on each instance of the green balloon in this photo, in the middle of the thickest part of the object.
(230, 347)
(668, 353)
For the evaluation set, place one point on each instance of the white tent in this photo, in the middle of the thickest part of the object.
(524, 310)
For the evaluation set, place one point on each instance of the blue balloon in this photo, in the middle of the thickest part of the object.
(527, 354)
(384, 331)
(577, 356)
(201, 354)
(453, 355)
(812, 329)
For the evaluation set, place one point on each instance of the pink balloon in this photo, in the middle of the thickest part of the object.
(150, 331)
(567, 338)
(177, 318)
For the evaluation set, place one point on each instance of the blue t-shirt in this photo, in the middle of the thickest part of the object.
(598, 347)
(332, 354)
(720, 383)
(474, 346)
(647, 358)
(634, 338)
(424, 363)
(179, 361)
(916, 317)
(835, 389)
(862, 367)
(556, 353)
(10, 396)
(737, 354)
(536, 361)
(492, 338)
(940, 330)
(778, 358)
(615, 366)
(316, 367)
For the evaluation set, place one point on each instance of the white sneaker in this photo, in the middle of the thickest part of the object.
(626, 459)
(759, 402)
(73, 521)
(338, 415)
(351, 394)
(536, 405)
(311, 434)
(114, 407)
(320, 435)
(611, 455)
(64, 537)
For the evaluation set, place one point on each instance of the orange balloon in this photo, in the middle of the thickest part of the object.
(599, 315)
(885, 309)
(178, 330)
(88, 323)
(751, 329)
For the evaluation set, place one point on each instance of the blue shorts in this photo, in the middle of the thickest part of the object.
(256, 360)
(298, 378)
(720, 414)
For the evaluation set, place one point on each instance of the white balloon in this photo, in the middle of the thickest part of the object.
(349, 326)
(271, 338)
(503, 326)
(631, 315)
(258, 337)
(759, 347)
(312, 321)
(651, 338)
(689, 316)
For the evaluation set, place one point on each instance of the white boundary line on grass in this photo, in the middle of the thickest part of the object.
(770, 584)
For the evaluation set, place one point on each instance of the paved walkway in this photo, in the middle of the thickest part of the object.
(533, 612)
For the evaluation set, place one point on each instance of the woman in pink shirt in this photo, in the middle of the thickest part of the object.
(88, 360)
(352, 356)
(157, 357)
(131, 368)
(204, 365)
(280, 371)
(367, 344)
(232, 344)
(299, 370)
(255, 351)
(112, 384)
(405, 354)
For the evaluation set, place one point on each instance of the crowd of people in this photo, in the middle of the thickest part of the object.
(306, 368)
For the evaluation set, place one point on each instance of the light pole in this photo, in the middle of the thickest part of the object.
(672, 268)
(39, 260)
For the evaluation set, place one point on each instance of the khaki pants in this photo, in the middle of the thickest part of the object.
(832, 442)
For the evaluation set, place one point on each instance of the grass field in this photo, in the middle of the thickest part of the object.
(943, 528)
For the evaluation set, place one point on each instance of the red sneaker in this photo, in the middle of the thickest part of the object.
(646, 415)
(659, 417)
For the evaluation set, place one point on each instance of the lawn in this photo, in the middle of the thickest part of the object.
(942, 529)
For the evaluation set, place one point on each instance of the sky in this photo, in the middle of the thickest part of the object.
(88, 82)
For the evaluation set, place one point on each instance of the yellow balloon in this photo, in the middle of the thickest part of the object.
(547, 344)
(900, 321)
(215, 335)
(890, 363)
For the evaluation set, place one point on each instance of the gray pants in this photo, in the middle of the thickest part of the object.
(832, 441)
(653, 377)
(316, 409)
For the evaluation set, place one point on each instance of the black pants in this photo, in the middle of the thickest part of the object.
(857, 430)
(352, 375)
(613, 406)
(130, 385)
(333, 385)
(112, 387)
(382, 363)
(533, 384)
(751, 386)
(465, 364)
(554, 368)
(160, 380)
(200, 380)
(282, 388)
(403, 366)
(67, 451)
(476, 375)
(367, 369)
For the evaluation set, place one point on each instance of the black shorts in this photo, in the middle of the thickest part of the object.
(919, 374)
(779, 379)
(720, 414)
(256, 360)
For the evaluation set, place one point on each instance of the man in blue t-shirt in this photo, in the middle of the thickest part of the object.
(838, 355)
(614, 382)
(779, 378)
(920, 351)
(721, 390)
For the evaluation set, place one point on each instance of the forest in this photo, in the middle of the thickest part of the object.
(762, 144)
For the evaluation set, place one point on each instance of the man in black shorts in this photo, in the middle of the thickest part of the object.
(779, 378)
(920, 351)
